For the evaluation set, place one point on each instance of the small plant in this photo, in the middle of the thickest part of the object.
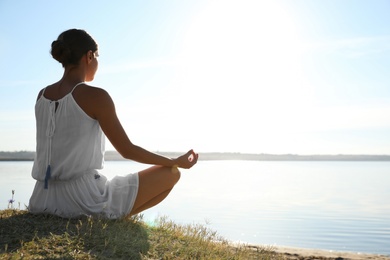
(11, 201)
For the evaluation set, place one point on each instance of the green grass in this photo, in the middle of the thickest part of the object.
(27, 236)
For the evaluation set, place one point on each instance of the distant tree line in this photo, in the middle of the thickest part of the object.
(115, 156)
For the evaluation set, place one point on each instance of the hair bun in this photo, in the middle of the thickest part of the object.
(71, 45)
(60, 51)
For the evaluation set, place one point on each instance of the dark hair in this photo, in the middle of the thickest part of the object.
(71, 45)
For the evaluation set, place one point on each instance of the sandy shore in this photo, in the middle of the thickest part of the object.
(303, 254)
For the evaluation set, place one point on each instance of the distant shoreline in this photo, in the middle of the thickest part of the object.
(114, 156)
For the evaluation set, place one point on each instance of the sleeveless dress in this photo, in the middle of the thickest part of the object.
(69, 153)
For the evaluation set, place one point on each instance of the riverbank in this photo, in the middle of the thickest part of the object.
(292, 253)
(28, 236)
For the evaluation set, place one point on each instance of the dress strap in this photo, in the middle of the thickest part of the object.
(76, 86)
(42, 94)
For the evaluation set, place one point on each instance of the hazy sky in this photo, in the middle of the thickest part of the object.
(303, 76)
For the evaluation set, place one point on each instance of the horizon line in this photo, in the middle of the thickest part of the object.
(239, 153)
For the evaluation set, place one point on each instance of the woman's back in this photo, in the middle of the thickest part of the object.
(68, 139)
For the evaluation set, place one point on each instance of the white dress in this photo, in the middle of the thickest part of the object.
(70, 150)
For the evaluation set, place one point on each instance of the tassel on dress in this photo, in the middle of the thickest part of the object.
(47, 177)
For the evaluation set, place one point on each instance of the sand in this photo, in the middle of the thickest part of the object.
(303, 254)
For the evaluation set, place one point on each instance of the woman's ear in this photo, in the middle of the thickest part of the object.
(89, 56)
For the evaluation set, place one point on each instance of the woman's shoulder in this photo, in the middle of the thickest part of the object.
(40, 93)
(92, 99)
(92, 93)
(86, 88)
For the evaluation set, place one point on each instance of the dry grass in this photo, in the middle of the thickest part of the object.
(27, 236)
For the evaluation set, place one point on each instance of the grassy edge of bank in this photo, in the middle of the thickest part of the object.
(28, 236)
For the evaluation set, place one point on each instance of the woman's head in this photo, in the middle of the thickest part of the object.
(71, 45)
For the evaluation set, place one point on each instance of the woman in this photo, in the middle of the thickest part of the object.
(71, 117)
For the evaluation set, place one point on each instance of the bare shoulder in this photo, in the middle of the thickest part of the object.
(42, 91)
(92, 93)
(92, 99)
(91, 90)
(40, 94)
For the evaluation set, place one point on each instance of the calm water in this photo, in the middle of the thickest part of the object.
(340, 206)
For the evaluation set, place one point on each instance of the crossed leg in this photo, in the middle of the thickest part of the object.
(155, 183)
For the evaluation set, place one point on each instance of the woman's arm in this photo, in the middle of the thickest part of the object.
(104, 112)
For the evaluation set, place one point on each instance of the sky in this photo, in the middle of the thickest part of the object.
(271, 76)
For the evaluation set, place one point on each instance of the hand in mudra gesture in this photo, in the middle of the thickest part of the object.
(187, 160)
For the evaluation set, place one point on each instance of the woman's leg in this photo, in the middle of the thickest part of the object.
(155, 183)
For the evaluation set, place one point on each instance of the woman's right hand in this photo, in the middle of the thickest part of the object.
(187, 160)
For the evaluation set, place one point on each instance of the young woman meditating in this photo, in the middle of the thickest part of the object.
(72, 120)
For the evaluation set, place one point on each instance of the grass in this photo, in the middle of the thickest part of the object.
(27, 236)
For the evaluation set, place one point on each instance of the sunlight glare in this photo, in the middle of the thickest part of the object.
(242, 61)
